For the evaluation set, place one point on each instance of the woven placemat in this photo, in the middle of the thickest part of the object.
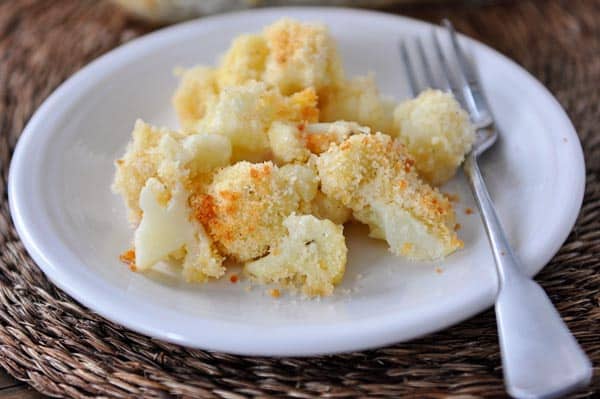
(63, 349)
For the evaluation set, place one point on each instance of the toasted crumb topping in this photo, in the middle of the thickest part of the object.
(128, 257)
(452, 197)
(203, 207)
(249, 203)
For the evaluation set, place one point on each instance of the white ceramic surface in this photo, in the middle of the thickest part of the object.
(75, 228)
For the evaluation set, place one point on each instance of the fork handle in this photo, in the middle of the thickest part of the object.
(540, 357)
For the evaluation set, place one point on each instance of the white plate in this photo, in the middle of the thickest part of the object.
(75, 228)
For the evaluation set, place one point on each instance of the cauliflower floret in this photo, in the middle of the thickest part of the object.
(311, 256)
(245, 205)
(358, 99)
(170, 156)
(166, 230)
(245, 60)
(196, 92)
(374, 176)
(437, 133)
(245, 113)
(300, 55)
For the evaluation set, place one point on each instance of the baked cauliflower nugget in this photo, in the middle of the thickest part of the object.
(155, 178)
(312, 256)
(246, 204)
(374, 176)
(437, 133)
(287, 56)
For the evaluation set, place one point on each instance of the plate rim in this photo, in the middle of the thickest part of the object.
(378, 334)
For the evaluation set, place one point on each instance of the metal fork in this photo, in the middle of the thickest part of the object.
(540, 357)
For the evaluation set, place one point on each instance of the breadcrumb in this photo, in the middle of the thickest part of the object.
(452, 197)
(128, 257)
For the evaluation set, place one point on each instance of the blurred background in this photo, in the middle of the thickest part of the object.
(166, 11)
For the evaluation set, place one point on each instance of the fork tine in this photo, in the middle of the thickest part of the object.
(408, 68)
(425, 62)
(467, 74)
(466, 68)
(446, 74)
(471, 92)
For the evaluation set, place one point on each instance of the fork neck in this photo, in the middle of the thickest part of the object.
(507, 264)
